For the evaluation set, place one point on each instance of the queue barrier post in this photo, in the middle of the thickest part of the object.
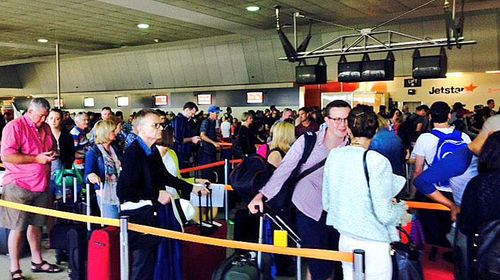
(226, 193)
(299, 264)
(124, 261)
(359, 264)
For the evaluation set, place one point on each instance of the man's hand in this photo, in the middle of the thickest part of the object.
(195, 139)
(256, 203)
(216, 144)
(45, 158)
(164, 197)
(455, 210)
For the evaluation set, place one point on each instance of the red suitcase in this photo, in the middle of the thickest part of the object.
(199, 261)
(104, 254)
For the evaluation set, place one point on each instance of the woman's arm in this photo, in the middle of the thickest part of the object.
(275, 158)
(382, 191)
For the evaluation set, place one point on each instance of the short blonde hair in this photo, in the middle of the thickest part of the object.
(102, 131)
(283, 135)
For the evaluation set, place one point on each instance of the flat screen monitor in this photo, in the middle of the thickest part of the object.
(88, 102)
(122, 101)
(255, 97)
(310, 74)
(204, 99)
(161, 100)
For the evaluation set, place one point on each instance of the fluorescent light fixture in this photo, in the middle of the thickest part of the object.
(42, 40)
(252, 8)
(453, 74)
(143, 25)
(122, 101)
(493, 72)
(88, 102)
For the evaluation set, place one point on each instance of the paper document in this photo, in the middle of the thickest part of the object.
(217, 197)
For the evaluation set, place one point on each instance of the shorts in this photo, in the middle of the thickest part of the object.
(318, 235)
(19, 220)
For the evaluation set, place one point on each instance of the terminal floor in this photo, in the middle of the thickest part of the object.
(438, 270)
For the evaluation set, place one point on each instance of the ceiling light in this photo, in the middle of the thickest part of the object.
(42, 40)
(252, 8)
(143, 25)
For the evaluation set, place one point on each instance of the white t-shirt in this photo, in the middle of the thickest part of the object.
(225, 129)
(426, 146)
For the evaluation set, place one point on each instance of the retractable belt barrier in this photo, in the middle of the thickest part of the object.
(308, 253)
(209, 165)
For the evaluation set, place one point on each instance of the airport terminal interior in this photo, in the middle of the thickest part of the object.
(349, 125)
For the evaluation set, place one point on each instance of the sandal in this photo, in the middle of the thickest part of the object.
(52, 268)
(20, 277)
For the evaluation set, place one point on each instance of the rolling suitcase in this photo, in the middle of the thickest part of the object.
(200, 260)
(104, 254)
(69, 238)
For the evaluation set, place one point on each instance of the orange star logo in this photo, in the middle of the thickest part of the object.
(470, 87)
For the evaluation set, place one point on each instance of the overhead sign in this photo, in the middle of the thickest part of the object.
(412, 82)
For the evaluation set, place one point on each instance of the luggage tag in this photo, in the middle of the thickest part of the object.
(280, 238)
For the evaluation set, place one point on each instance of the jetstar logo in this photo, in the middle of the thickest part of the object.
(452, 89)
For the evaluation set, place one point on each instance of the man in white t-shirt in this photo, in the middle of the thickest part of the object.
(425, 152)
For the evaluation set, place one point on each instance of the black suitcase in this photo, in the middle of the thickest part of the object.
(77, 253)
(70, 238)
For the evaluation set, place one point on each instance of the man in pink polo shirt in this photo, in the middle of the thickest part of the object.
(27, 150)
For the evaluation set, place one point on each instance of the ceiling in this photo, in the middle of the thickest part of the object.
(83, 27)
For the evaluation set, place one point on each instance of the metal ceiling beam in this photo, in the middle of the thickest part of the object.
(170, 11)
(383, 41)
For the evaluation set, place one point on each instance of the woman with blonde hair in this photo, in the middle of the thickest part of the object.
(283, 138)
(102, 168)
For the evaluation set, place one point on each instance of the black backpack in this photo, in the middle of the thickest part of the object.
(487, 251)
(281, 204)
(251, 175)
(406, 130)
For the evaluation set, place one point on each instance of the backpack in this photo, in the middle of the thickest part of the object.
(487, 251)
(281, 204)
(406, 130)
(252, 174)
(447, 144)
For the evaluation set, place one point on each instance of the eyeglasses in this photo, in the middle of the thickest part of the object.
(157, 125)
(337, 120)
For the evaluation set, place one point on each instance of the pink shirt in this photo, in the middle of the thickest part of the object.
(23, 137)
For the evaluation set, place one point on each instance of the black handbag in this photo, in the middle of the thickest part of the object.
(406, 264)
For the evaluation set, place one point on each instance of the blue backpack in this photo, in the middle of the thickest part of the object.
(447, 144)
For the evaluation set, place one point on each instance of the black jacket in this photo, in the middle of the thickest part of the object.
(480, 202)
(143, 177)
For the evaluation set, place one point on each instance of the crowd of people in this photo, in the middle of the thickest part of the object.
(349, 201)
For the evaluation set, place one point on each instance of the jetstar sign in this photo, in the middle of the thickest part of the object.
(447, 90)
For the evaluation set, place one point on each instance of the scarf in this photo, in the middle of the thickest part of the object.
(112, 167)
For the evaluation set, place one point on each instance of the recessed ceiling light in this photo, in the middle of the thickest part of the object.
(143, 25)
(42, 40)
(252, 8)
